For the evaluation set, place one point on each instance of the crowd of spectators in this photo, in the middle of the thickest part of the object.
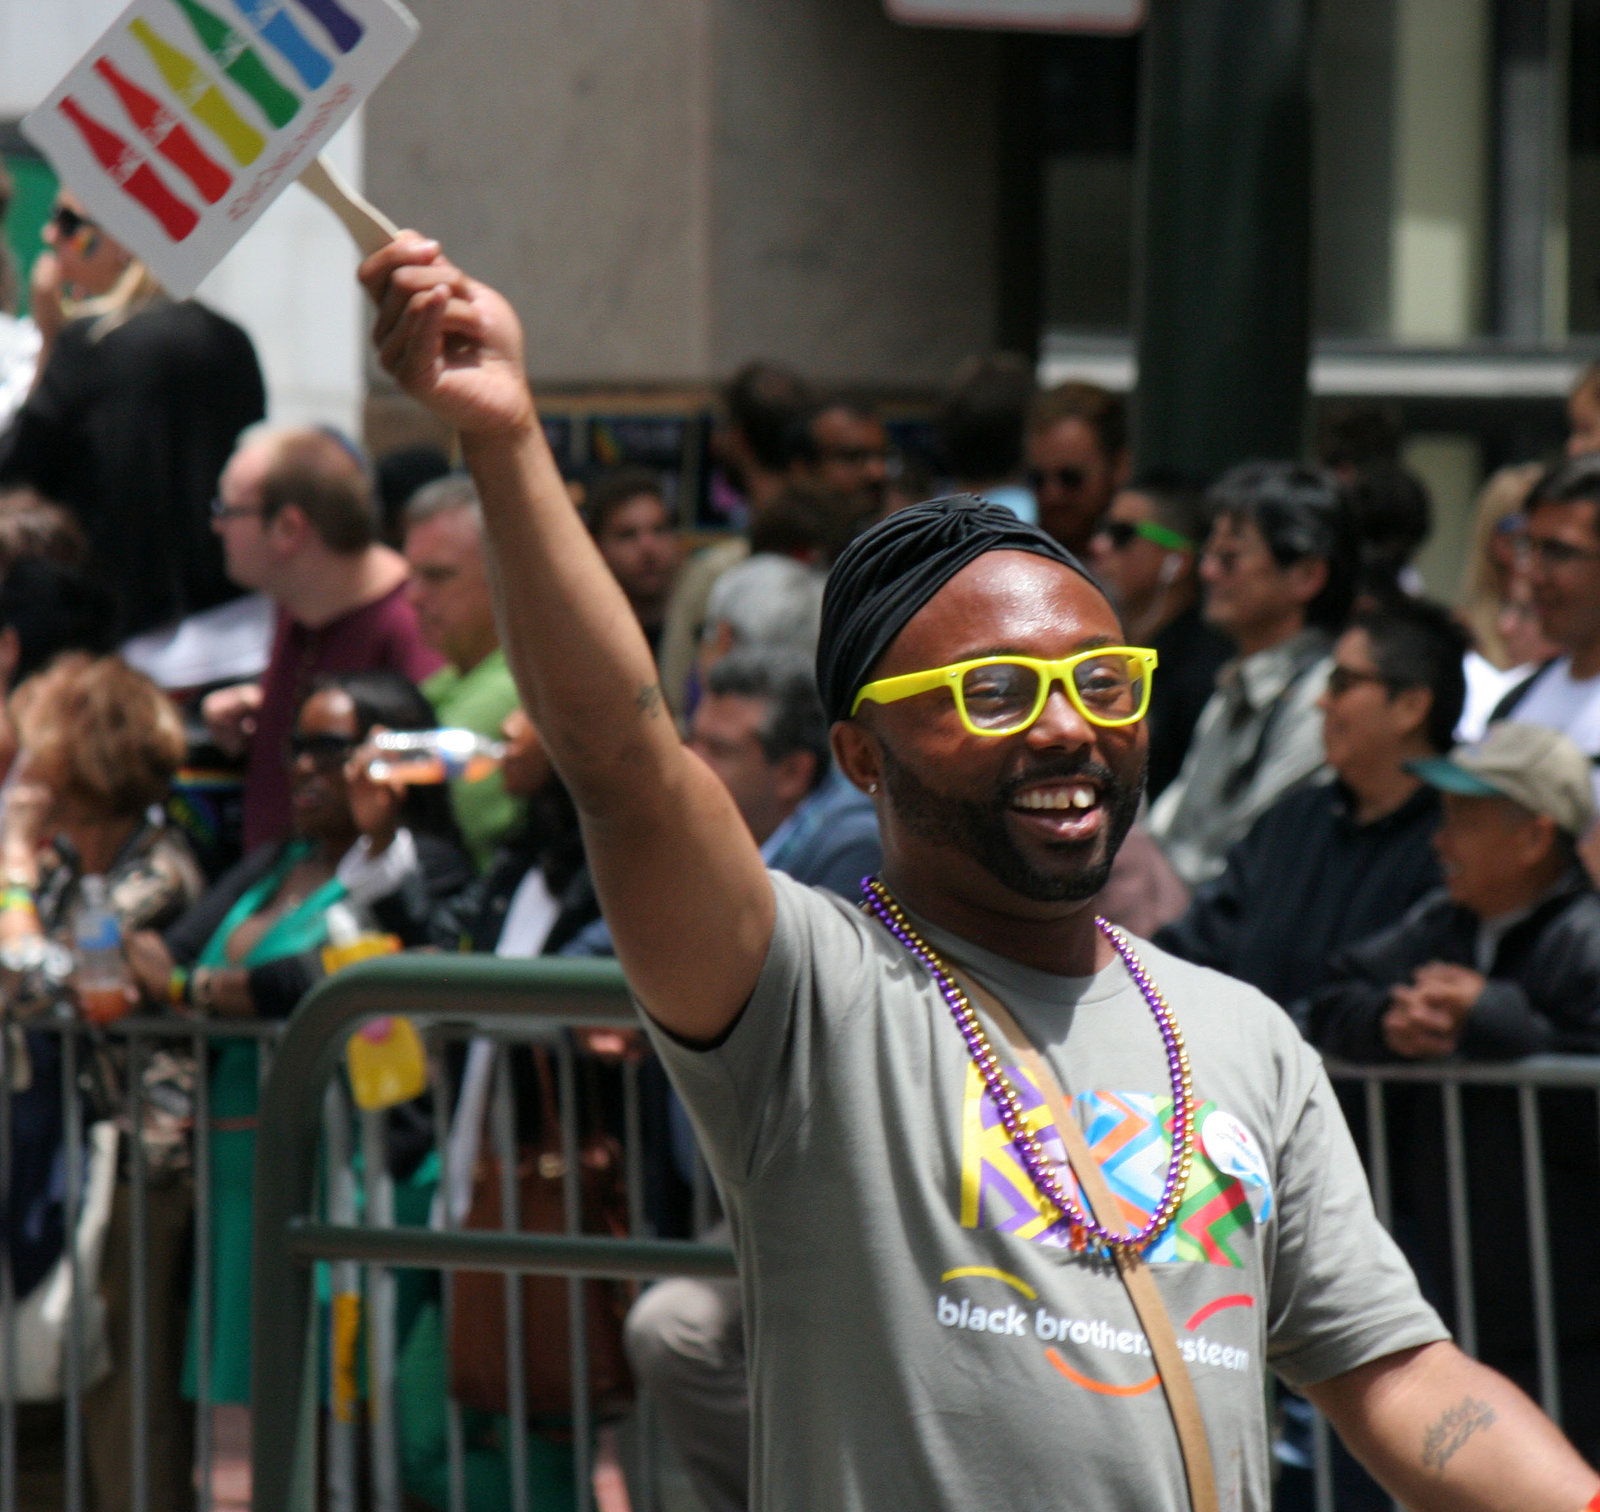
(1377, 809)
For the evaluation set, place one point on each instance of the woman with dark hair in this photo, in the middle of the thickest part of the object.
(252, 946)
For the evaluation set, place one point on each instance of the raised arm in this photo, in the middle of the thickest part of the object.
(1446, 1434)
(678, 875)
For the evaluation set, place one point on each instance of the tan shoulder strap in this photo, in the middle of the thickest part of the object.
(1136, 1277)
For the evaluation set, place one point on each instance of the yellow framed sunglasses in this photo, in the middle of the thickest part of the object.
(1002, 695)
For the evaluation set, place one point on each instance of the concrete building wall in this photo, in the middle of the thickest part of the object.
(854, 192)
(666, 187)
(559, 152)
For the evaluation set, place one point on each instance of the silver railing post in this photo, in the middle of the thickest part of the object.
(203, 1448)
(138, 1280)
(1378, 1153)
(381, 1351)
(443, 1117)
(633, 1153)
(344, 1310)
(1455, 1164)
(503, 1116)
(577, 1286)
(9, 1034)
(1322, 1462)
(72, 1381)
(1544, 1302)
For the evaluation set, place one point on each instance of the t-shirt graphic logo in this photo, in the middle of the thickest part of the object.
(1130, 1135)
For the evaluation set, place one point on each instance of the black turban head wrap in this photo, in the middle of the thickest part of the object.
(883, 577)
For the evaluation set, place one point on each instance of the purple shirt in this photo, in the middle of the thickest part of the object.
(381, 634)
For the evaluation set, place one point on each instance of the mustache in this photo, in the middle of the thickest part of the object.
(1059, 766)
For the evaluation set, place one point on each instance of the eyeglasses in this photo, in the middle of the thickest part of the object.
(1552, 552)
(1123, 533)
(853, 456)
(68, 222)
(1342, 679)
(1063, 477)
(221, 512)
(1003, 695)
(324, 750)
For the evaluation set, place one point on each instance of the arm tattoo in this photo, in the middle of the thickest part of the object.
(1455, 1426)
(648, 702)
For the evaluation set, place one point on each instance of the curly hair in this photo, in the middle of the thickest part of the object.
(100, 733)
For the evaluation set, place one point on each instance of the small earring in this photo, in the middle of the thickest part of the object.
(872, 789)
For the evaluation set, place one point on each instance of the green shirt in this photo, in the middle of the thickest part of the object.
(478, 700)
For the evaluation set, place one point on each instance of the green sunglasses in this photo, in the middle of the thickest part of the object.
(1003, 695)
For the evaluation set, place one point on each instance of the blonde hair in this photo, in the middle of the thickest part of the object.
(96, 730)
(1485, 582)
(134, 292)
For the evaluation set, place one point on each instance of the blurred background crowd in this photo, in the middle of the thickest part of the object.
(1373, 801)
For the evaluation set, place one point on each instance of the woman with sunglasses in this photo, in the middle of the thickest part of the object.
(252, 946)
(137, 404)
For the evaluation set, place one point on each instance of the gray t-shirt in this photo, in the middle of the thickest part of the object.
(920, 1334)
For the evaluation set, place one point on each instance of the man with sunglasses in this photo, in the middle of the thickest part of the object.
(1076, 451)
(928, 1327)
(1145, 552)
(1559, 549)
(1279, 570)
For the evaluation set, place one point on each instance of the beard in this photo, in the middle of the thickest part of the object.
(979, 829)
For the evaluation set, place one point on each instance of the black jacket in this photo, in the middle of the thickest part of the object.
(129, 427)
(1191, 654)
(473, 918)
(1304, 882)
(1543, 995)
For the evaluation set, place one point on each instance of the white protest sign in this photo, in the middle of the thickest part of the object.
(1023, 15)
(187, 117)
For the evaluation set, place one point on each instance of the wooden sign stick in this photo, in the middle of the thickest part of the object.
(368, 226)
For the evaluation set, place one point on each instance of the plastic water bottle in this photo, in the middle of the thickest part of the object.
(103, 980)
(421, 756)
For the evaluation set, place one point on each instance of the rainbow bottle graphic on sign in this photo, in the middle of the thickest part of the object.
(343, 28)
(166, 133)
(130, 173)
(200, 97)
(273, 22)
(236, 58)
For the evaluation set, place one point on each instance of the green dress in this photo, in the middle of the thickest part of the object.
(235, 1083)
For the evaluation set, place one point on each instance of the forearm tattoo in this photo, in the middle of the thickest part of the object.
(1455, 1426)
(648, 702)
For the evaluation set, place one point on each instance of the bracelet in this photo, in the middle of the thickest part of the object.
(13, 896)
(1593, 1504)
(178, 987)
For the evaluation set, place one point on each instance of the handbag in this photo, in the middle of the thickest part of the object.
(43, 1318)
(1136, 1279)
(478, 1325)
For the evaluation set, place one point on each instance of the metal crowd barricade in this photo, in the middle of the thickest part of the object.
(136, 1037)
(1528, 1079)
(308, 1135)
(505, 1000)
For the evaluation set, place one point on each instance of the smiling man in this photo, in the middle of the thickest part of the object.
(933, 1323)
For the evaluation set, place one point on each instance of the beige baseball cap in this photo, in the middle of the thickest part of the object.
(1537, 767)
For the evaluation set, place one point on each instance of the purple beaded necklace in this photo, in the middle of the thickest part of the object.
(1084, 1228)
